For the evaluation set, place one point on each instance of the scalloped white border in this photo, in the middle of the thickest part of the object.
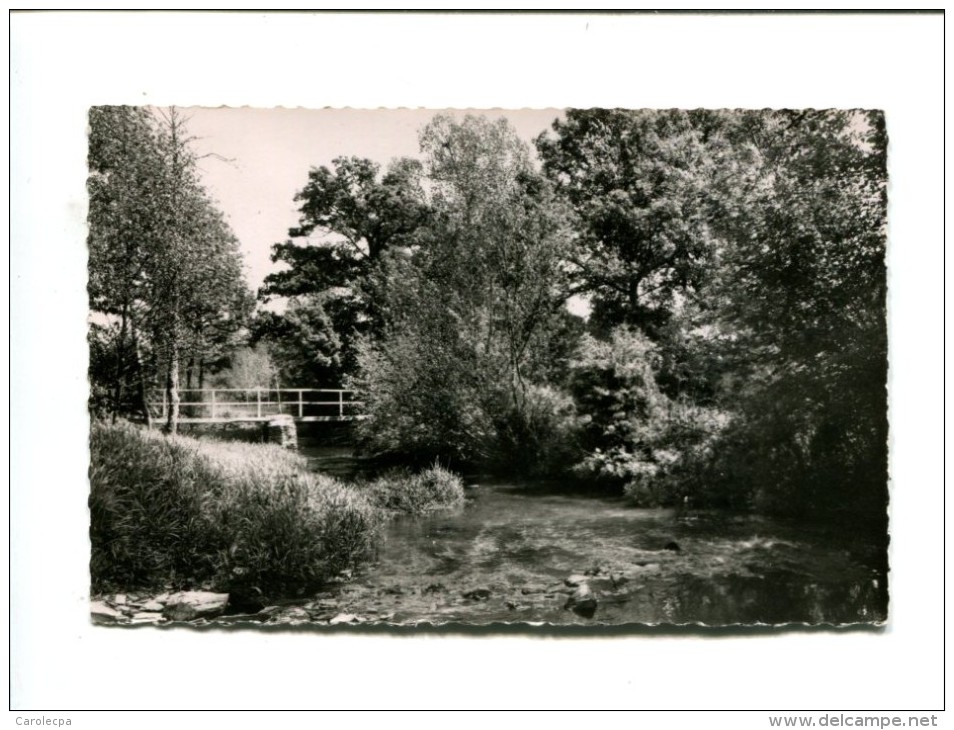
(63, 63)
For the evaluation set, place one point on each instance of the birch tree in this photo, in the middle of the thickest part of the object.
(162, 258)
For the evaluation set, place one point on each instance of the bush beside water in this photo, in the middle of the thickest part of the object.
(431, 490)
(637, 437)
(182, 513)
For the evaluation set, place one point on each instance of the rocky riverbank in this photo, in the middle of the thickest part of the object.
(522, 557)
(363, 602)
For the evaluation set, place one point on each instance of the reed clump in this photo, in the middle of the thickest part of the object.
(183, 513)
(431, 490)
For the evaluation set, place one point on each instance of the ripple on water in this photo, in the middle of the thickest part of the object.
(518, 546)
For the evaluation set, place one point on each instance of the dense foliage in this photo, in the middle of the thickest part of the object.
(350, 217)
(639, 182)
(802, 290)
(165, 272)
(182, 513)
(474, 311)
(431, 490)
(735, 351)
(744, 252)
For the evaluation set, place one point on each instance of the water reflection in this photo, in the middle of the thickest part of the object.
(520, 545)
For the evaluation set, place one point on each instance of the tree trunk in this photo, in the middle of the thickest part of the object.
(172, 389)
(634, 296)
(174, 279)
(141, 374)
(120, 365)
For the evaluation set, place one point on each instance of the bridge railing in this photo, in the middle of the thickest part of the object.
(224, 404)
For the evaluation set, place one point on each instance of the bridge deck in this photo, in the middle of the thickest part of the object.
(266, 419)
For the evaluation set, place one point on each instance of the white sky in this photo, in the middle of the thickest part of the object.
(270, 152)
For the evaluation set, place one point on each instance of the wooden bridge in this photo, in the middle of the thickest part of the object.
(224, 405)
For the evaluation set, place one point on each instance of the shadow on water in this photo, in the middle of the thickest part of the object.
(506, 555)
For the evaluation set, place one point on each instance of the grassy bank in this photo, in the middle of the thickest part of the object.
(179, 512)
(245, 518)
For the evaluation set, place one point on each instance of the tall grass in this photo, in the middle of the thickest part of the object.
(431, 490)
(178, 512)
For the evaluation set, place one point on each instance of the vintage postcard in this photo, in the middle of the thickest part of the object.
(420, 367)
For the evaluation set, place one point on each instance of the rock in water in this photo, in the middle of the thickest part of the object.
(478, 594)
(246, 599)
(146, 617)
(291, 615)
(103, 613)
(534, 588)
(583, 602)
(189, 605)
(673, 546)
(575, 580)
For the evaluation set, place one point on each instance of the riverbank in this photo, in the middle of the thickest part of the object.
(252, 520)
(510, 558)
(521, 553)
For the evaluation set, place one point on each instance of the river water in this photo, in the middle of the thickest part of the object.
(507, 555)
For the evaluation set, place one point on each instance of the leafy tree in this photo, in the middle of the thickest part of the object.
(215, 322)
(350, 216)
(161, 256)
(801, 288)
(750, 247)
(249, 368)
(368, 214)
(471, 312)
(123, 163)
(194, 265)
(304, 342)
(616, 392)
(638, 181)
(501, 236)
(633, 434)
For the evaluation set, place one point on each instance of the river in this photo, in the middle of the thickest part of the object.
(507, 555)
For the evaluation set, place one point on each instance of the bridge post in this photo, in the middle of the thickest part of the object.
(340, 403)
(213, 402)
(281, 430)
(301, 404)
(258, 402)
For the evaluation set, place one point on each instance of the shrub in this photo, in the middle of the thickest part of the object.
(428, 491)
(624, 412)
(637, 437)
(542, 437)
(425, 401)
(146, 523)
(174, 511)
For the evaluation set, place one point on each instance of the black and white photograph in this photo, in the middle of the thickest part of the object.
(551, 366)
(477, 360)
